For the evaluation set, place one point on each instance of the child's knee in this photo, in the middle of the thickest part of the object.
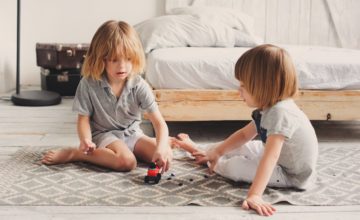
(125, 164)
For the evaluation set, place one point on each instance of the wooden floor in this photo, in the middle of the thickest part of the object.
(55, 125)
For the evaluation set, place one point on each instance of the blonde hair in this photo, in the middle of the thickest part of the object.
(268, 74)
(113, 39)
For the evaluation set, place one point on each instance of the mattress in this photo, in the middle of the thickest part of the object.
(213, 67)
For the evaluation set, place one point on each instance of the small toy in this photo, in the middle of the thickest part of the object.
(153, 174)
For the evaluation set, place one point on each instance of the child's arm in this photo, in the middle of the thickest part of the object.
(264, 171)
(84, 133)
(238, 138)
(163, 153)
(235, 140)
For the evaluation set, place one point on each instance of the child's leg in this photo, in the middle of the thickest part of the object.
(116, 156)
(250, 150)
(185, 142)
(242, 165)
(145, 147)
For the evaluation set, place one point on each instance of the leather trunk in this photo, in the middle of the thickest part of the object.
(60, 56)
(63, 82)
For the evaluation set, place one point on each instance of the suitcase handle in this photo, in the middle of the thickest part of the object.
(70, 52)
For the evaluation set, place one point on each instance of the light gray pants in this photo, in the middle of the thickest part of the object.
(241, 164)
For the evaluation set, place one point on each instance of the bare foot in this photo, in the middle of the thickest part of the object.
(172, 142)
(58, 156)
(183, 141)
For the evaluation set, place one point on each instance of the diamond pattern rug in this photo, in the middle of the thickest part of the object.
(24, 181)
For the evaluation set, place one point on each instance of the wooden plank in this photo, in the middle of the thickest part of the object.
(182, 212)
(238, 110)
(214, 105)
(196, 94)
(329, 95)
(13, 140)
(343, 110)
(233, 95)
(204, 110)
(18, 128)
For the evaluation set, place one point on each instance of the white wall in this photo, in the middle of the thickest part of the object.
(309, 22)
(65, 21)
(7, 44)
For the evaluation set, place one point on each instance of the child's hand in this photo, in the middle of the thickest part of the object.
(163, 159)
(259, 205)
(200, 157)
(87, 146)
(212, 156)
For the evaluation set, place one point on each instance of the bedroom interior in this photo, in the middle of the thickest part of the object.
(328, 80)
(192, 78)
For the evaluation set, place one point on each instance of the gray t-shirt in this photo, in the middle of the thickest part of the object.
(299, 153)
(120, 116)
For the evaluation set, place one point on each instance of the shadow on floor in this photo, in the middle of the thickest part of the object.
(211, 131)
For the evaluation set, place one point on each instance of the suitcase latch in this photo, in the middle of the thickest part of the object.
(63, 77)
(48, 56)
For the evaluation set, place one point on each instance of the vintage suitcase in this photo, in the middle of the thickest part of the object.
(63, 82)
(60, 56)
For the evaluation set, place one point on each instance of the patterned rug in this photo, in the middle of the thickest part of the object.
(24, 181)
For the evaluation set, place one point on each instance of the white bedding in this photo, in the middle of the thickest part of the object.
(213, 67)
(197, 27)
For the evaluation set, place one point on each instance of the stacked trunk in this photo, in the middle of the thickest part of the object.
(60, 66)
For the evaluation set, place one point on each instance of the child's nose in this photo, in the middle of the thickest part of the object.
(121, 62)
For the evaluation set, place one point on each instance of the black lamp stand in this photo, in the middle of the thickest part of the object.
(35, 97)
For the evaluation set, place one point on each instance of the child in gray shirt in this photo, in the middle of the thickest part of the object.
(109, 101)
(287, 153)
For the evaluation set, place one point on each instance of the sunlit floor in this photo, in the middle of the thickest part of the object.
(56, 125)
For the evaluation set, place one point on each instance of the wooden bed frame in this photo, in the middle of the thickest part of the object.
(218, 105)
(222, 105)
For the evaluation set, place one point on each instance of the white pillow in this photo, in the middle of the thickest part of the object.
(182, 31)
(233, 18)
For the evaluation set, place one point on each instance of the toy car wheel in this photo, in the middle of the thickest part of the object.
(158, 177)
(146, 179)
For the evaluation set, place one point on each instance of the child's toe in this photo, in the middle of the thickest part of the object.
(183, 136)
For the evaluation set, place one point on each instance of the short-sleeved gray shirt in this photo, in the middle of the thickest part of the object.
(119, 116)
(300, 150)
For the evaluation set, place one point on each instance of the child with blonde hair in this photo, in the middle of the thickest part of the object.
(109, 100)
(287, 153)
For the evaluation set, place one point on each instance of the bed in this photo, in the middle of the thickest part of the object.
(190, 65)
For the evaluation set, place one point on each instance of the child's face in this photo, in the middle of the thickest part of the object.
(249, 100)
(118, 69)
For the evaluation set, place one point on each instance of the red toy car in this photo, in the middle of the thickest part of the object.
(153, 174)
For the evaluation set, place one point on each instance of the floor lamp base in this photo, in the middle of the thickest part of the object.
(36, 98)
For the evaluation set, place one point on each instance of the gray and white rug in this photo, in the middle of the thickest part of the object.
(24, 181)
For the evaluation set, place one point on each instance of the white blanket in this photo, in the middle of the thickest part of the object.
(213, 68)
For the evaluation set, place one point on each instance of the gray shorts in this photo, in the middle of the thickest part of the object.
(105, 139)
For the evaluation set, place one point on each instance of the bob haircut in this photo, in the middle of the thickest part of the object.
(268, 74)
(113, 40)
